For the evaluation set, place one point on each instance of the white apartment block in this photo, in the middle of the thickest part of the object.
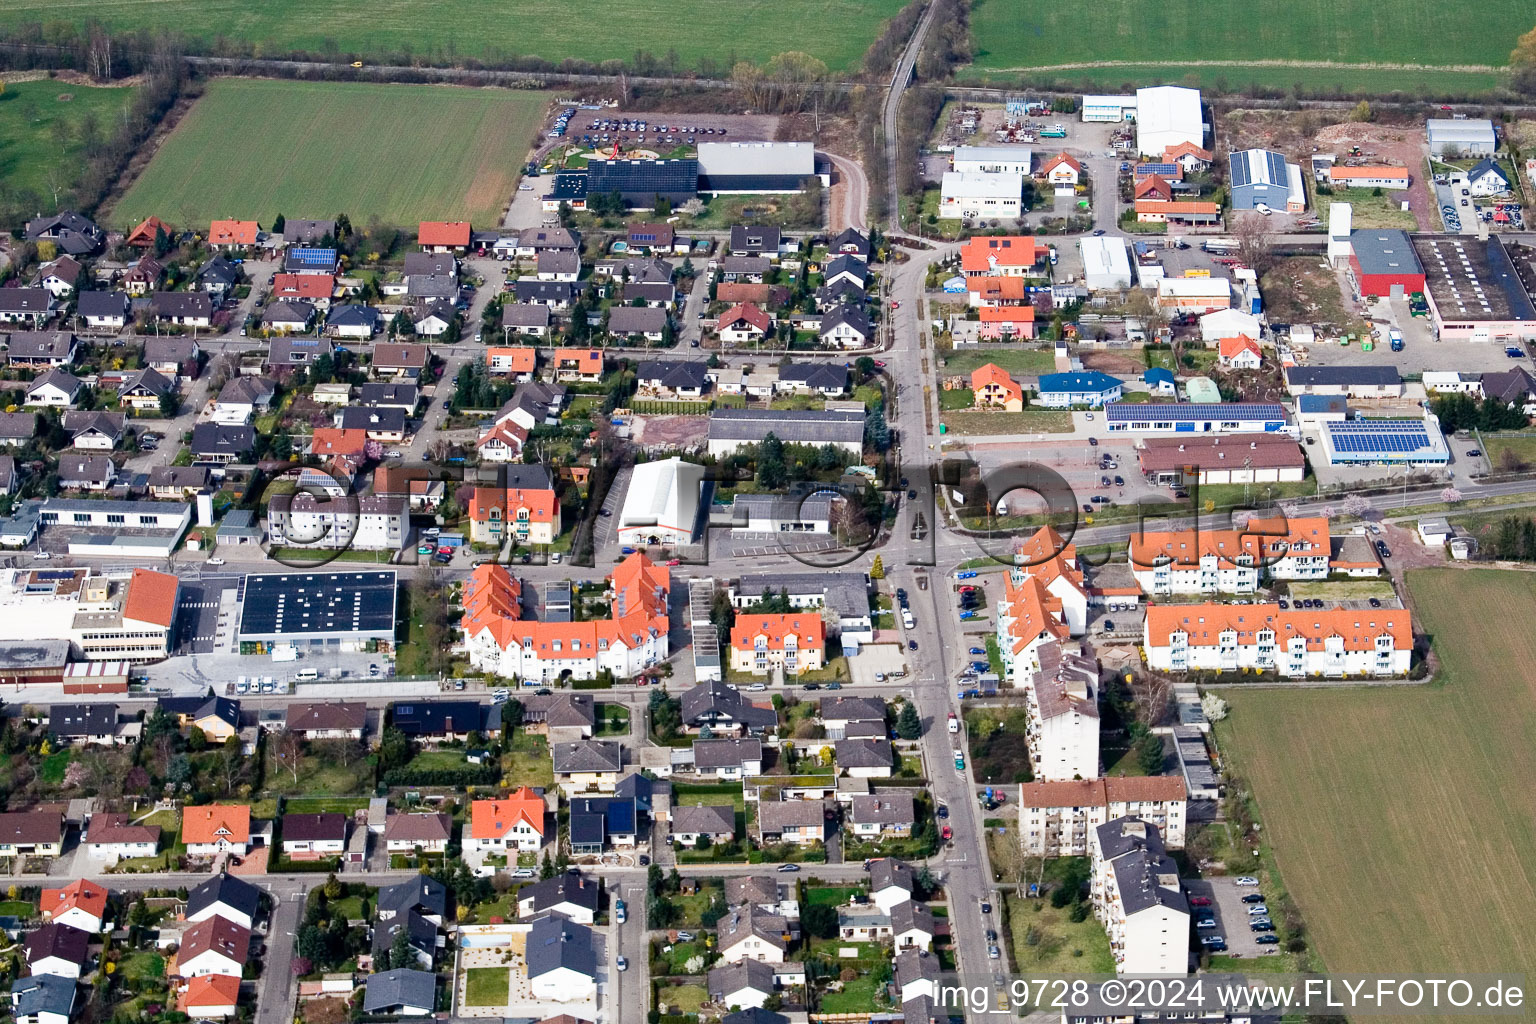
(374, 522)
(1294, 644)
(1230, 561)
(1062, 699)
(1056, 818)
(1134, 889)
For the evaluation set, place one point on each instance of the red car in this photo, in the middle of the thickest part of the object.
(947, 833)
(1199, 901)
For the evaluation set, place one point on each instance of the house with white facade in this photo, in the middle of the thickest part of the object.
(1135, 892)
(1333, 643)
(1202, 561)
(1055, 818)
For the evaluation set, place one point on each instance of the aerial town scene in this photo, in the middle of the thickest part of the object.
(856, 512)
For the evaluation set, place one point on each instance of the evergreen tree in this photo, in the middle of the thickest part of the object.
(909, 726)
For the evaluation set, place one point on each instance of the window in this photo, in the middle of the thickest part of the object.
(115, 519)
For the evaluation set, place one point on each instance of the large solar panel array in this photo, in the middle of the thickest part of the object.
(643, 177)
(312, 256)
(1391, 440)
(301, 603)
(1124, 412)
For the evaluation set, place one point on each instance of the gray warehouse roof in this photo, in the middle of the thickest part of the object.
(752, 425)
(354, 602)
(1384, 252)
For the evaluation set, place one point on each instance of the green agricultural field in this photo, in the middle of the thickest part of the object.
(1412, 45)
(44, 126)
(1404, 819)
(445, 31)
(253, 148)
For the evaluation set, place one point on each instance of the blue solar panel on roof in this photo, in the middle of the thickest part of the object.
(1122, 411)
(307, 254)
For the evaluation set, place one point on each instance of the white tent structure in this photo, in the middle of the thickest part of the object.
(662, 505)
(1167, 115)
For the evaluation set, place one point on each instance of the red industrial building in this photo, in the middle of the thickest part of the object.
(1383, 264)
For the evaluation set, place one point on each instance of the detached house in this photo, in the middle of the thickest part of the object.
(143, 277)
(59, 950)
(845, 326)
(93, 431)
(189, 309)
(56, 388)
(112, 837)
(43, 999)
(71, 232)
(313, 836)
(645, 322)
(212, 946)
(218, 277)
(103, 311)
(572, 896)
(172, 356)
(992, 388)
(443, 236)
(400, 362)
(879, 815)
(802, 822)
(578, 364)
(211, 830)
(143, 389)
(728, 759)
(60, 277)
(748, 932)
(513, 823)
(531, 318)
(328, 720)
(41, 349)
(716, 824)
(26, 305)
(226, 896)
(230, 235)
(587, 765)
(744, 323)
(407, 833)
(725, 710)
(81, 904)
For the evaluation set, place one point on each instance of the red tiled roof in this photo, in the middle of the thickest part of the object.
(750, 313)
(806, 625)
(493, 819)
(979, 254)
(1204, 624)
(303, 286)
(152, 597)
(233, 232)
(443, 232)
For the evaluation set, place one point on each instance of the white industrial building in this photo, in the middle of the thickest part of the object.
(662, 504)
(1167, 116)
(758, 167)
(971, 194)
(993, 159)
(1474, 136)
(104, 618)
(1228, 323)
(1109, 108)
(1106, 262)
(1136, 895)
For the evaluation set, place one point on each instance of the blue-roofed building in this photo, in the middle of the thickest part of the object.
(569, 188)
(1068, 390)
(1397, 442)
(639, 182)
(1160, 381)
(307, 259)
(1315, 410)
(1195, 418)
(445, 719)
(602, 821)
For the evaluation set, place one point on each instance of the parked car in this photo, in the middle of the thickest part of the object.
(786, 868)
(1199, 901)
(1267, 940)
(1253, 897)
(1245, 880)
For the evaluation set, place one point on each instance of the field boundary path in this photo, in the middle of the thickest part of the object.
(901, 77)
(1266, 63)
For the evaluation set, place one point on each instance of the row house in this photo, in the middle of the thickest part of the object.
(1294, 644)
(1199, 561)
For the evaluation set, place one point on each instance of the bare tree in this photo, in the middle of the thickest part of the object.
(343, 752)
(290, 749)
(1255, 242)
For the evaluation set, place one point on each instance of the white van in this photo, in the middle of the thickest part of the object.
(906, 618)
(307, 675)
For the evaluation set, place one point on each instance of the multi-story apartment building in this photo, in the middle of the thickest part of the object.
(1056, 818)
(1135, 893)
(1293, 644)
(374, 522)
(1062, 699)
(1231, 561)
(794, 642)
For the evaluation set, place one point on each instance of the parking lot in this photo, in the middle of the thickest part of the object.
(640, 129)
(1231, 914)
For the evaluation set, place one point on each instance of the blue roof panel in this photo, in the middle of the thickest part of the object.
(1124, 412)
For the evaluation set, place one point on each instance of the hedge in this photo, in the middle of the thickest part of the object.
(469, 775)
(591, 684)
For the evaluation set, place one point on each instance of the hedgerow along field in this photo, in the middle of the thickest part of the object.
(440, 31)
(253, 148)
(1171, 38)
(1403, 819)
(45, 127)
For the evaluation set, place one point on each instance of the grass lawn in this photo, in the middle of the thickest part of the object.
(527, 763)
(1030, 421)
(318, 775)
(142, 966)
(1120, 761)
(681, 998)
(1237, 495)
(691, 906)
(1046, 941)
(350, 908)
(956, 398)
(1510, 451)
(612, 719)
(504, 907)
(673, 961)
(1345, 590)
(51, 770)
(40, 122)
(1014, 360)
(486, 986)
(1373, 211)
(17, 908)
(708, 795)
(1158, 357)
(437, 760)
(443, 31)
(998, 754)
(255, 148)
(1362, 823)
(1037, 36)
(856, 996)
(831, 895)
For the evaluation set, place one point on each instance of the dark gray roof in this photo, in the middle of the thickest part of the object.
(850, 239)
(195, 477)
(1384, 251)
(59, 378)
(650, 291)
(222, 439)
(299, 351)
(560, 709)
(755, 239)
(852, 709)
(746, 265)
(353, 315)
(648, 269)
(1141, 866)
(524, 314)
(43, 993)
(149, 380)
(385, 417)
(554, 942)
(548, 238)
(672, 373)
(748, 974)
(637, 320)
(430, 264)
(422, 894)
(434, 717)
(819, 376)
(395, 393)
(887, 872)
(845, 593)
(712, 819)
(884, 808)
(754, 1015)
(218, 270)
(289, 311)
(399, 988)
(909, 915)
(587, 756)
(913, 965)
(1509, 386)
(304, 231)
(846, 313)
(82, 421)
(70, 720)
(86, 469)
(25, 300)
(726, 753)
(530, 290)
(1313, 376)
(102, 304)
(714, 702)
(807, 427)
(864, 753)
(575, 889)
(170, 349)
(319, 827)
(845, 264)
(423, 933)
(774, 815)
(558, 261)
(40, 345)
(181, 304)
(58, 940)
(750, 919)
(431, 286)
